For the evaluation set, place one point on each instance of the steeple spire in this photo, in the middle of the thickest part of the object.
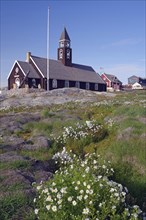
(64, 35)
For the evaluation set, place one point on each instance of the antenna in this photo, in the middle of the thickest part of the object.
(48, 48)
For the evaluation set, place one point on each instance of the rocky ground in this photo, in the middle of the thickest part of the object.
(29, 98)
(18, 172)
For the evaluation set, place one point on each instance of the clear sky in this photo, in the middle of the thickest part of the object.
(107, 34)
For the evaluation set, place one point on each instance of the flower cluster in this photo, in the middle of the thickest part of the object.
(81, 190)
(80, 131)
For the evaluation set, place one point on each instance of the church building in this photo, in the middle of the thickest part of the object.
(33, 72)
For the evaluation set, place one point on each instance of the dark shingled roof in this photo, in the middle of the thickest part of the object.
(76, 72)
(28, 67)
(64, 35)
(112, 78)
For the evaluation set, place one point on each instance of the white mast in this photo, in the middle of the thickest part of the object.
(48, 44)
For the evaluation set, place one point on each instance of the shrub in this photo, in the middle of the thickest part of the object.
(82, 190)
(81, 135)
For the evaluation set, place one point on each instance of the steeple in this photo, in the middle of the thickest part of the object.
(64, 50)
(64, 35)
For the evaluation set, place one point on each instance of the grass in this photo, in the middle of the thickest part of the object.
(11, 207)
(126, 151)
(17, 164)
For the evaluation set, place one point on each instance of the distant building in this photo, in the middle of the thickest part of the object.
(137, 85)
(137, 82)
(133, 79)
(112, 82)
(62, 72)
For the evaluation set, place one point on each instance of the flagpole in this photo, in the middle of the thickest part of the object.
(48, 44)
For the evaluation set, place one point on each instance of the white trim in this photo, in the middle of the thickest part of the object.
(37, 67)
(16, 62)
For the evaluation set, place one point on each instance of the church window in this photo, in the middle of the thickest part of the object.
(61, 54)
(77, 84)
(17, 82)
(54, 83)
(87, 86)
(66, 83)
(96, 86)
(68, 54)
(61, 44)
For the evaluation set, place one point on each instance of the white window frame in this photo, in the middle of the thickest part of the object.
(61, 44)
(17, 82)
(66, 83)
(96, 86)
(77, 84)
(60, 54)
(68, 53)
(87, 85)
(54, 83)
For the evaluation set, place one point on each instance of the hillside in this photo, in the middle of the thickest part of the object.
(31, 126)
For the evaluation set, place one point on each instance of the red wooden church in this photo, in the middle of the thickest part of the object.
(62, 72)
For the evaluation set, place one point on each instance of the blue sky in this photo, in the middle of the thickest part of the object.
(107, 34)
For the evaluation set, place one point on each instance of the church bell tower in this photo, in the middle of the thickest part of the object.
(64, 50)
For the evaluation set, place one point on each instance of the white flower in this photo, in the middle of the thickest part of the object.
(59, 202)
(88, 187)
(76, 188)
(113, 207)
(112, 190)
(71, 166)
(69, 199)
(85, 211)
(81, 191)
(63, 190)
(116, 194)
(84, 183)
(45, 190)
(59, 196)
(48, 207)
(101, 185)
(103, 166)
(94, 162)
(90, 203)
(79, 197)
(53, 184)
(49, 199)
(74, 203)
(54, 208)
(78, 182)
(85, 197)
(99, 177)
(39, 187)
(90, 191)
(36, 211)
(34, 200)
(87, 191)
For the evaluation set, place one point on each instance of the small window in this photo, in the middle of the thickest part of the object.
(61, 54)
(66, 83)
(87, 86)
(77, 84)
(68, 54)
(96, 86)
(54, 83)
(61, 44)
(17, 82)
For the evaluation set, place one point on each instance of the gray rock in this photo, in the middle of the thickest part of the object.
(10, 157)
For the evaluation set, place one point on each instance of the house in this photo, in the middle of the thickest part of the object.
(60, 73)
(112, 82)
(137, 85)
(137, 82)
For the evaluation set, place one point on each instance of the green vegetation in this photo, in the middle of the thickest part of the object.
(121, 140)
